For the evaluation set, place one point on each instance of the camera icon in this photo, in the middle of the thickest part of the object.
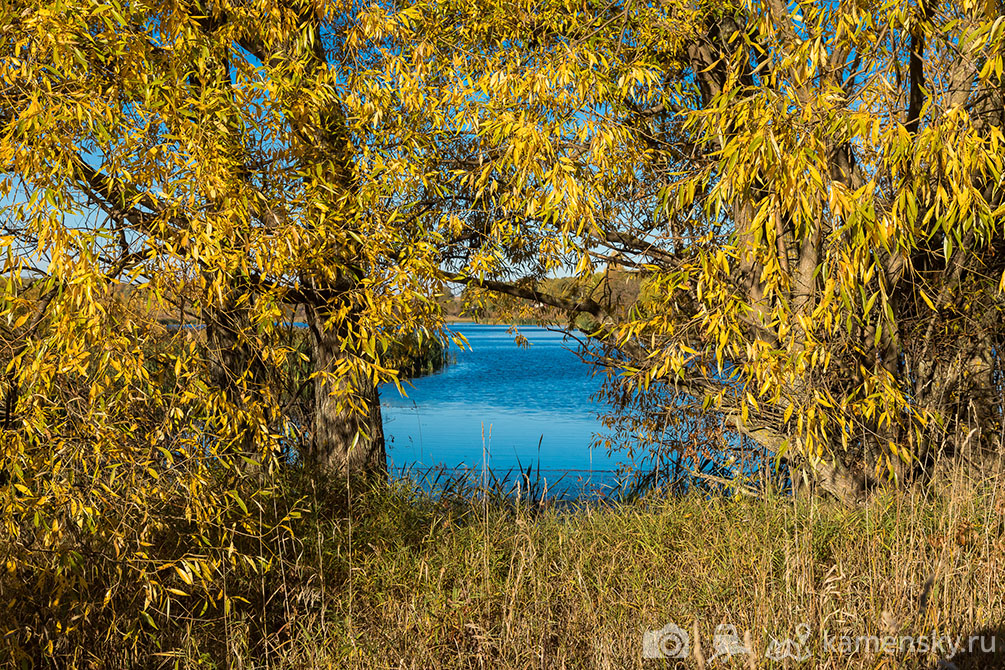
(670, 641)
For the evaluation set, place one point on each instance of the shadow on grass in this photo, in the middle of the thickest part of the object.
(983, 649)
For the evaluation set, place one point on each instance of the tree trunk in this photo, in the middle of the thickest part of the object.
(846, 483)
(237, 369)
(347, 433)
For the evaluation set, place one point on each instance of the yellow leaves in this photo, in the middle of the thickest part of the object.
(867, 306)
(928, 301)
(184, 573)
(17, 322)
(459, 141)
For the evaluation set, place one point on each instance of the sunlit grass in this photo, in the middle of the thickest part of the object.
(461, 581)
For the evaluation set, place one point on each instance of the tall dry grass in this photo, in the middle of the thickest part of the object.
(406, 580)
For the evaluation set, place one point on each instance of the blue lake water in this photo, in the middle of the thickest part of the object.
(496, 404)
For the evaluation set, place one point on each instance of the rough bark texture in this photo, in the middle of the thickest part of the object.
(347, 433)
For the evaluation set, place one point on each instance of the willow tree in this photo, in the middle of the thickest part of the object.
(839, 294)
(200, 163)
(229, 168)
(200, 159)
(809, 193)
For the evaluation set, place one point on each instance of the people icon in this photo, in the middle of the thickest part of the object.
(790, 648)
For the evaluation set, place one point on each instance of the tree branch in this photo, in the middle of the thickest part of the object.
(588, 306)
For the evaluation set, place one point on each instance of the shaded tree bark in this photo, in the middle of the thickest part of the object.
(347, 433)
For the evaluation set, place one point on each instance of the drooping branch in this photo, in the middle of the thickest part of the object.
(587, 306)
